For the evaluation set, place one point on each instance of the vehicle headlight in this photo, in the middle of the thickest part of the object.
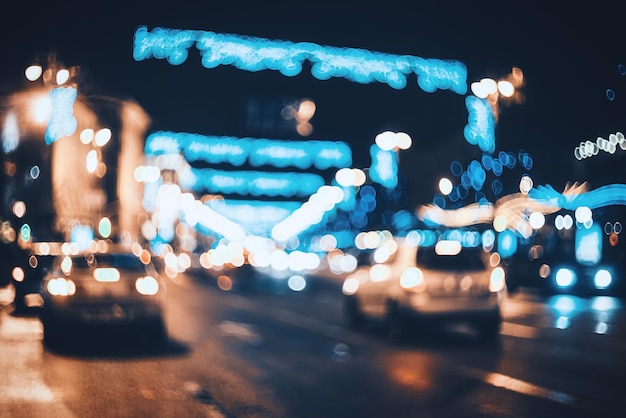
(412, 279)
(350, 286)
(61, 287)
(602, 279)
(379, 272)
(565, 277)
(147, 285)
(18, 274)
(497, 280)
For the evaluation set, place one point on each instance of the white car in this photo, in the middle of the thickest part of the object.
(428, 286)
(102, 289)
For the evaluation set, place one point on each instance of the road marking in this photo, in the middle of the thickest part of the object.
(519, 386)
(241, 331)
(517, 330)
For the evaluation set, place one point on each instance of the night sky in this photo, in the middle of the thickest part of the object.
(569, 58)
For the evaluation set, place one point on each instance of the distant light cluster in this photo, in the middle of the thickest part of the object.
(588, 149)
(474, 176)
(256, 54)
(257, 152)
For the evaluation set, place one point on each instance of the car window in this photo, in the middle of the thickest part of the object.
(467, 259)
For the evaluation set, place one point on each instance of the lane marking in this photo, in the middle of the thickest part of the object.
(245, 332)
(512, 384)
(519, 331)
(491, 378)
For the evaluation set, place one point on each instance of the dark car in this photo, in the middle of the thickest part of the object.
(113, 290)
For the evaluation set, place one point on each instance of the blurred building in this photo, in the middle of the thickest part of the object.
(69, 163)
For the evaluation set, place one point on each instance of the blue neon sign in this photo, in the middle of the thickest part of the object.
(256, 54)
(257, 152)
(251, 182)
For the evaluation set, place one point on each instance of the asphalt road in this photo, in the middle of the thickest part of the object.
(262, 350)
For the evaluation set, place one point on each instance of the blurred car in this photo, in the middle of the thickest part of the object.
(112, 289)
(426, 287)
(569, 258)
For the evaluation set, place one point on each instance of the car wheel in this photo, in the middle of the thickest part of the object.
(354, 316)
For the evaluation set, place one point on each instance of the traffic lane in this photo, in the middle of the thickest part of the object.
(118, 375)
(461, 357)
(578, 346)
(194, 374)
(319, 368)
(289, 361)
(253, 331)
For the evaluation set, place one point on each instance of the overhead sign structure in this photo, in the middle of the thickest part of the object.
(256, 54)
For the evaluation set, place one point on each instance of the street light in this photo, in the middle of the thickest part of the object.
(389, 140)
(505, 89)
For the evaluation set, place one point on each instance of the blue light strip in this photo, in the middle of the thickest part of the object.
(62, 121)
(257, 152)
(256, 54)
(611, 194)
(255, 217)
(480, 129)
(384, 169)
(251, 182)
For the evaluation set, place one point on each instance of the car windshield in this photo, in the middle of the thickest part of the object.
(120, 261)
(467, 259)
